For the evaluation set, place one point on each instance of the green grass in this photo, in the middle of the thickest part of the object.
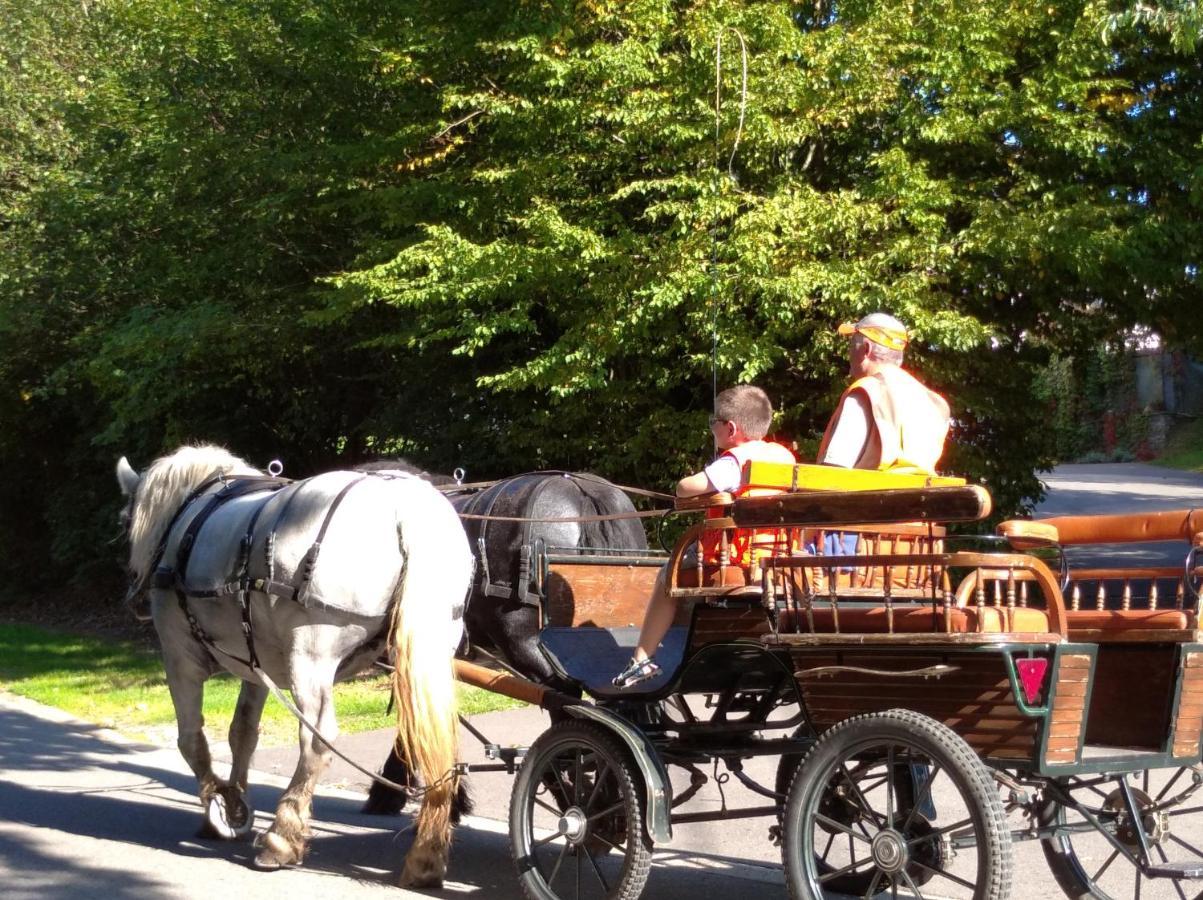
(121, 686)
(1184, 449)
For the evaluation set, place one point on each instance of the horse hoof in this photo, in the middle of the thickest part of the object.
(228, 816)
(276, 853)
(422, 875)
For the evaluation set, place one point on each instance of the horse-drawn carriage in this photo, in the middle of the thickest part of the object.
(931, 699)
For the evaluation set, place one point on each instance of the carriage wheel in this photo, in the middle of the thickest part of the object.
(850, 824)
(1087, 865)
(576, 818)
(868, 775)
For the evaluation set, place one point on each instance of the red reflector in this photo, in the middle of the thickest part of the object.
(1031, 676)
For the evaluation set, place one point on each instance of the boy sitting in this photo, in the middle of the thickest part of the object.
(741, 419)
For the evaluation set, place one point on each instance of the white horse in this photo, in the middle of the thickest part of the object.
(331, 571)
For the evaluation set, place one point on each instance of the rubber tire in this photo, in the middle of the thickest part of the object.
(941, 745)
(568, 736)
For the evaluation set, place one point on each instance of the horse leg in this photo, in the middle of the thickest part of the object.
(229, 812)
(313, 691)
(388, 801)
(185, 682)
(382, 799)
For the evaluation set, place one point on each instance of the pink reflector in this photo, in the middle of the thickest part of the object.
(1031, 676)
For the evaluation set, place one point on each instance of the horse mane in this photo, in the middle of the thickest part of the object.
(398, 464)
(164, 487)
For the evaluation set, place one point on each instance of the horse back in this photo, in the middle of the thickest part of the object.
(329, 541)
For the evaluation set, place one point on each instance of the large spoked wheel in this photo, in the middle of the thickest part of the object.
(576, 818)
(851, 825)
(1087, 865)
(841, 804)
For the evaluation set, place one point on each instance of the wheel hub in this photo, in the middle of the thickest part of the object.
(889, 851)
(1156, 823)
(572, 824)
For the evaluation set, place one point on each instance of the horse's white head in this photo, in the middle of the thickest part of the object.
(153, 499)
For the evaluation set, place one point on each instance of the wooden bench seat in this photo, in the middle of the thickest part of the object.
(1101, 626)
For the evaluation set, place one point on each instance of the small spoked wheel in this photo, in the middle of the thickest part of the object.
(576, 818)
(1087, 865)
(895, 801)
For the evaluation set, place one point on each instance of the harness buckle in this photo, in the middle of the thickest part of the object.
(163, 578)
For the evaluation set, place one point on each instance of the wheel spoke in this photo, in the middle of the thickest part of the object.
(619, 847)
(873, 885)
(866, 808)
(559, 859)
(1169, 784)
(1186, 811)
(547, 806)
(836, 873)
(602, 771)
(605, 812)
(1099, 874)
(555, 836)
(890, 785)
(576, 779)
(596, 871)
(843, 829)
(827, 849)
(924, 794)
(1161, 852)
(914, 887)
(935, 834)
(565, 794)
(1193, 849)
(944, 873)
(1096, 790)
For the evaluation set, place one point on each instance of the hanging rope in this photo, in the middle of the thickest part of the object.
(718, 125)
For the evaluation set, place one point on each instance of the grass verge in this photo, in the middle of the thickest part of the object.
(1184, 449)
(121, 686)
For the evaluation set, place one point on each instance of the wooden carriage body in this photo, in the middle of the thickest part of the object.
(983, 642)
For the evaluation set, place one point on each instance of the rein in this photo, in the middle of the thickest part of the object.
(608, 517)
(626, 489)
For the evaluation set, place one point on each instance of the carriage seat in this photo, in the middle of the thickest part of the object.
(1101, 626)
(591, 656)
(919, 619)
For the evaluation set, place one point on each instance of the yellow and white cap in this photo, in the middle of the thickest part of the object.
(880, 328)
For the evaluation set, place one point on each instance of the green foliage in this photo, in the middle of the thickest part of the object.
(511, 236)
(1094, 412)
(1184, 449)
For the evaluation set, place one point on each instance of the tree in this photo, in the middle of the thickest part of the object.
(516, 236)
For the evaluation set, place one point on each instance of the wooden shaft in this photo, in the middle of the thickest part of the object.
(513, 686)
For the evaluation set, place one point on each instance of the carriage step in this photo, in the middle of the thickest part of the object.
(1190, 869)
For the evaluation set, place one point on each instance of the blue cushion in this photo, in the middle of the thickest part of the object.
(593, 656)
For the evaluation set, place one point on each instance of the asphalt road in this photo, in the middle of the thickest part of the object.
(85, 813)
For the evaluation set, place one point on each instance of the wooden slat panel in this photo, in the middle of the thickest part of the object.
(1188, 717)
(975, 700)
(599, 595)
(713, 623)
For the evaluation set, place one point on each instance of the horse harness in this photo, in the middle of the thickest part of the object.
(174, 578)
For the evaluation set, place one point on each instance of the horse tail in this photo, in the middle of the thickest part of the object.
(427, 599)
